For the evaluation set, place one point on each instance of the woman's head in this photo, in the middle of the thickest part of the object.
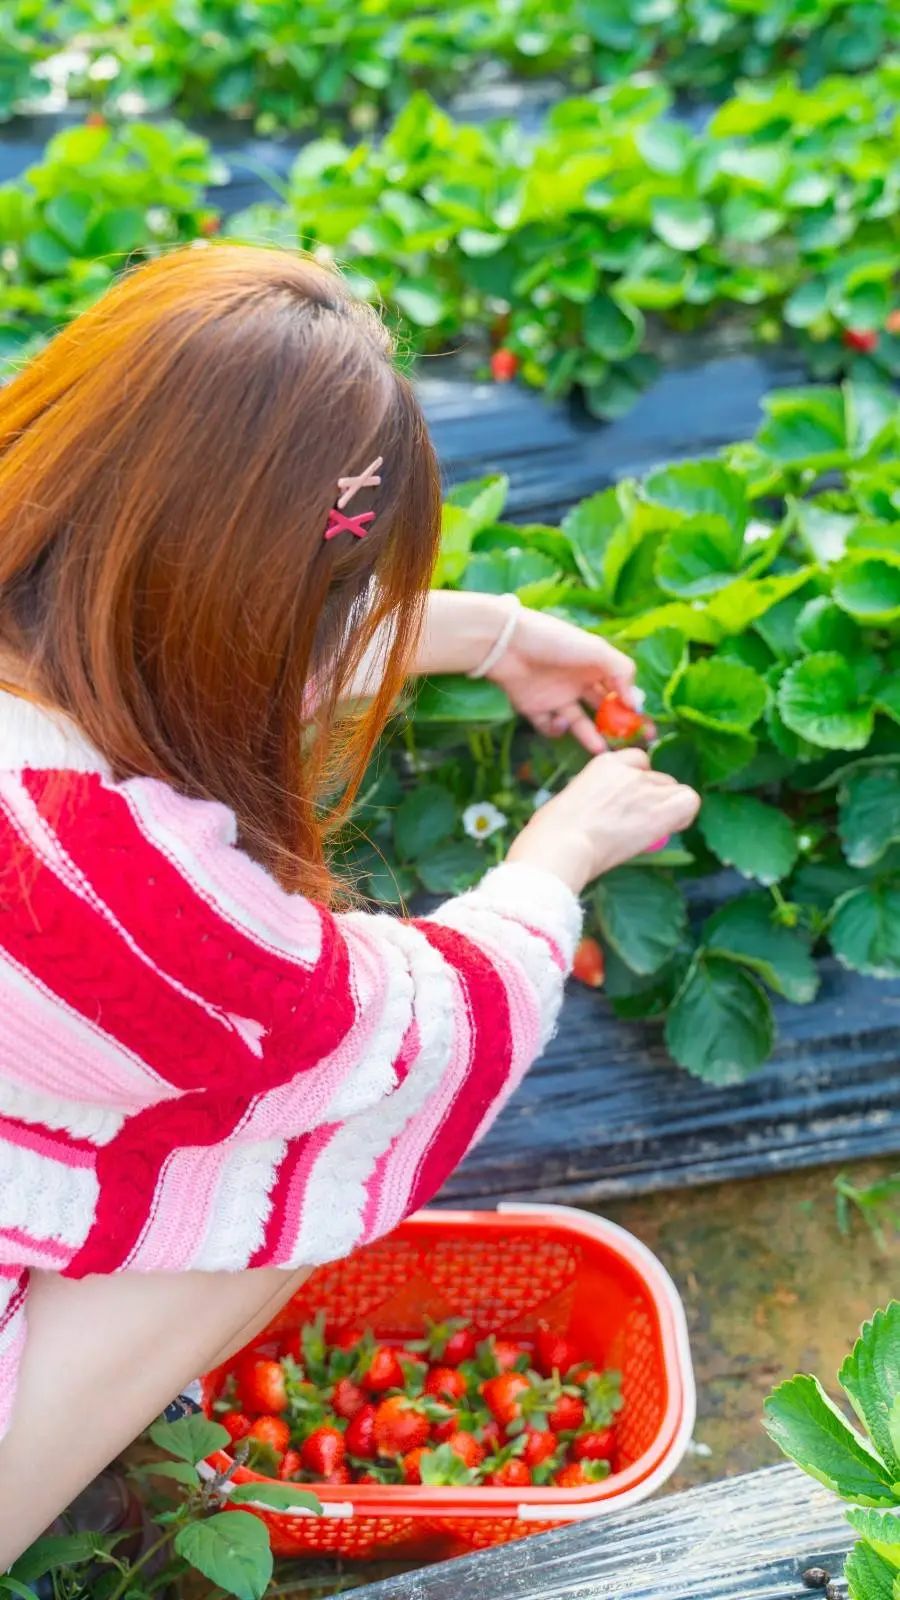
(167, 466)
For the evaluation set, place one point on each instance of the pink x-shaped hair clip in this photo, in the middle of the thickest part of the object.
(358, 525)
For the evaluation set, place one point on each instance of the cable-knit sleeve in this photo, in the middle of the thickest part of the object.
(292, 1081)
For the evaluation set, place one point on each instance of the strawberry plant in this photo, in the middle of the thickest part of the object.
(864, 1469)
(581, 250)
(759, 593)
(187, 1531)
(289, 65)
(98, 198)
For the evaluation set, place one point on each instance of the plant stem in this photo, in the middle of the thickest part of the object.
(121, 1589)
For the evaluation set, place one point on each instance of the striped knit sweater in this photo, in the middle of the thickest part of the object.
(200, 1071)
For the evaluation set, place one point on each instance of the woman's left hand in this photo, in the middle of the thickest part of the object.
(552, 671)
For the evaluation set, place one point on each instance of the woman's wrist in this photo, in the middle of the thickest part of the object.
(460, 630)
(561, 851)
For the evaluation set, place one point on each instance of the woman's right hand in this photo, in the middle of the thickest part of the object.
(614, 809)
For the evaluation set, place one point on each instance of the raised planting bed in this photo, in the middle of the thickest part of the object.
(605, 1113)
(759, 594)
(747, 1538)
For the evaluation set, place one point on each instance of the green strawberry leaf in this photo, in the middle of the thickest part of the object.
(887, 696)
(642, 915)
(870, 1376)
(869, 589)
(818, 699)
(822, 625)
(869, 813)
(611, 330)
(746, 930)
(451, 867)
(720, 1025)
(191, 1438)
(699, 557)
(701, 489)
(804, 428)
(682, 223)
(452, 699)
(745, 833)
(232, 1550)
(865, 932)
(720, 694)
(278, 1496)
(658, 659)
(424, 819)
(868, 1576)
(808, 1427)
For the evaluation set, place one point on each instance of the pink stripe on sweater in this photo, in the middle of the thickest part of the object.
(51, 1143)
(180, 1210)
(37, 1252)
(288, 1197)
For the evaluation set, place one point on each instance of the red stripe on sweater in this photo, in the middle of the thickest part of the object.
(73, 949)
(167, 916)
(130, 1166)
(490, 1061)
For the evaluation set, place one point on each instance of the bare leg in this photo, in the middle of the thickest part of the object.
(104, 1356)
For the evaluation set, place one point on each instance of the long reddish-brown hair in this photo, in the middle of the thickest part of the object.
(167, 465)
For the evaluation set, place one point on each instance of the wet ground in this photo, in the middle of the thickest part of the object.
(771, 1287)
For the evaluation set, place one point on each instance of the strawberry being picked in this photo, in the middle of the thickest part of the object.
(617, 720)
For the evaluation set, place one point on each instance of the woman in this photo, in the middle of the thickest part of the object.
(219, 513)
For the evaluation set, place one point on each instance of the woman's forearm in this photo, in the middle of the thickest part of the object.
(457, 634)
(459, 630)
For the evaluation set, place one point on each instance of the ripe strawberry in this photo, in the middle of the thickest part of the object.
(466, 1446)
(616, 720)
(337, 1476)
(459, 1347)
(348, 1398)
(504, 365)
(210, 226)
(566, 1415)
(554, 1353)
(236, 1423)
(272, 1431)
(412, 1465)
(893, 322)
(400, 1426)
(508, 1354)
(292, 1463)
(491, 1435)
(512, 1475)
(863, 339)
(540, 1445)
(360, 1435)
(292, 1345)
(384, 1370)
(261, 1385)
(95, 119)
(348, 1339)
(579, 1474)
(503, 1396)
(323, 1452)
(446, 1383)
(588, 966)
(598, 1444)
(441, 1431)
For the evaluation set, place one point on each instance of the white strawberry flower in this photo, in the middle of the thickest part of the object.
(482, 819)
(540, 798)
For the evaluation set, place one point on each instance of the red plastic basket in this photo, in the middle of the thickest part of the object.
(508, 1271)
